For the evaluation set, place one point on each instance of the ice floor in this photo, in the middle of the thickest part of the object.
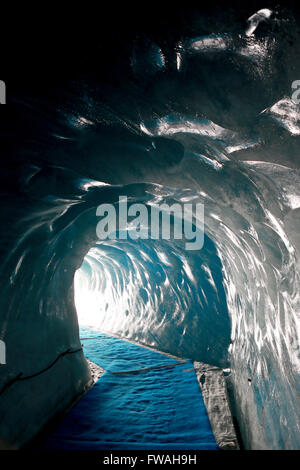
(144, 400)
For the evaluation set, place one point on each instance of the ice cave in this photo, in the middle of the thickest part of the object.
(196, 106)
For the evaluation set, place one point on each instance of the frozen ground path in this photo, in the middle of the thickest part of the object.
(144, 400)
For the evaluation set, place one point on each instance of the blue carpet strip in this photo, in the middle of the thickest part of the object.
(144, 400)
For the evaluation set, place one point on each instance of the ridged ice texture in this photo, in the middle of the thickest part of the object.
(217, 127)
(157, 294)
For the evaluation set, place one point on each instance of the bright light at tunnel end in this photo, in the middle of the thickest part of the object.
(183, 221)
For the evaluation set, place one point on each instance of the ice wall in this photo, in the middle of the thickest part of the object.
(211, 120)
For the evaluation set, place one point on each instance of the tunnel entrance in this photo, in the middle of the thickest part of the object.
(143, 311)
(157, 294)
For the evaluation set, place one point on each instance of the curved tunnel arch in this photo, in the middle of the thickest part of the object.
(247, 179)
(45, 302)
(157, 295)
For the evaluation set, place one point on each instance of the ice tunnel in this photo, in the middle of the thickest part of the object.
(203, 111)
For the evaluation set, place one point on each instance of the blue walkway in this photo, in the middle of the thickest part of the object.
(160, 407)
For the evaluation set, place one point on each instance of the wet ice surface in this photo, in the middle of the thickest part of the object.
(191, 131)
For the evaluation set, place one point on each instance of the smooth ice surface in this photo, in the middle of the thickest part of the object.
(200, 113)
(159, 408)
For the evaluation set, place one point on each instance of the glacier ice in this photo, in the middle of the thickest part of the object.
(195, 131)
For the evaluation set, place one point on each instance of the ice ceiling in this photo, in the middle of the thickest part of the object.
(209, 119)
